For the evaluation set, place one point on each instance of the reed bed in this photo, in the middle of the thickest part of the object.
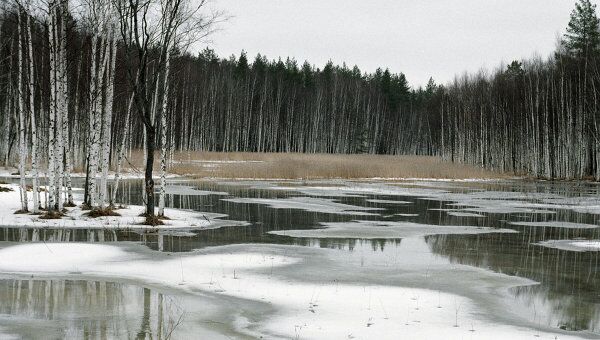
(238, 165)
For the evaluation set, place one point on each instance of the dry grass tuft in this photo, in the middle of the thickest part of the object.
(52, 215)
(316, 166)
(95, 213)
(3, 189)
(21, 212)
(153, 221)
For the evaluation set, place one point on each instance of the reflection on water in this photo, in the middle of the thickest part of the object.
(58, 309)
(570, 312)
(568, 295)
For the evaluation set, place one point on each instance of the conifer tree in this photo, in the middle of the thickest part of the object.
(583, 32)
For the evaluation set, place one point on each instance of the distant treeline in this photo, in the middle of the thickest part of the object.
(533, 117)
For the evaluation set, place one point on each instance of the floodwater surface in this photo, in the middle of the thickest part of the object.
(563, 296)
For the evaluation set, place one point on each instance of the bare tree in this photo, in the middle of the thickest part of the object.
(149, 30)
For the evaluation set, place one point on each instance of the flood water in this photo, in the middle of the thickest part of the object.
(567, 296)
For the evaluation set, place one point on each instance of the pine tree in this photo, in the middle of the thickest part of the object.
(583, 32)
(514, 69)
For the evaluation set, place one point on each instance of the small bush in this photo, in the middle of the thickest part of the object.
(95, 213)
(3, 189)
(21, 212)
(52, 215)
(153, 221)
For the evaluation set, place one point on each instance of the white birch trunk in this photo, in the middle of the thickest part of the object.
(34, 142)
(107, 122)
(50, 201)
(21, 109)
(121, 152)
(163, 137)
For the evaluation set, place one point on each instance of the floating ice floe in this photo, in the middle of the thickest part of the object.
(555, 224)
(190, 191)
(572, 245)
(384, 230)
(388, 201)
(311, 204)
(464, 214)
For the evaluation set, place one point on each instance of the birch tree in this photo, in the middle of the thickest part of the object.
(32, 116)
(21, 112)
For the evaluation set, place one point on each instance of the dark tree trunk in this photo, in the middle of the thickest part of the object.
(150, 146)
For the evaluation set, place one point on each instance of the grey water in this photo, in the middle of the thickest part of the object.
(567, 296)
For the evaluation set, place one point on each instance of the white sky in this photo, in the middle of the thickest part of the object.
(420, 38)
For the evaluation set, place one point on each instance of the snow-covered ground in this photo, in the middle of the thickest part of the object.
(129, 217)
(302, 309)
(13, 173)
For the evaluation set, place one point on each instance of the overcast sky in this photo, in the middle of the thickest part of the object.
(420, 38)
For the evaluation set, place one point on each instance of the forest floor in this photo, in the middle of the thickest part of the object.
(247, 165)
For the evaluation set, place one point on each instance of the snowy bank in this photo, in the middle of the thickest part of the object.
(129, 217)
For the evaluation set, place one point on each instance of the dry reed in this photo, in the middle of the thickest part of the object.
(232, 165)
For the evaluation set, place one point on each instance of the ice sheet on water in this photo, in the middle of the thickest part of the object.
(325, 310)
(190, 191)
(388, 201)
(384, 230)
(572, 245)
(555, 224)
(311, 204)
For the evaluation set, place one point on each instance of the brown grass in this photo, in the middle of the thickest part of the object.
(316, 166)
(52, 215)
(153, 221)
(95, 213)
